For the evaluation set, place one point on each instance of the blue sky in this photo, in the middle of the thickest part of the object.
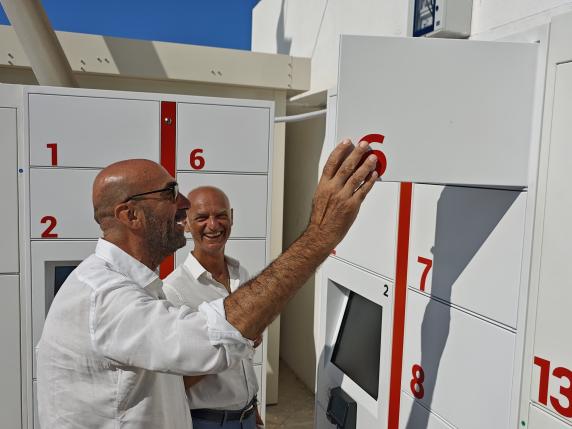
(220, 23)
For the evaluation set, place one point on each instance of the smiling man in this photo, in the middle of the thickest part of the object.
(227, 399)
(113, 351)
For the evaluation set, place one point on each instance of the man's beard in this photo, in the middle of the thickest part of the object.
(162, 237)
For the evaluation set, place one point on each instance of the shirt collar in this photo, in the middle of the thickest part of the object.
(126, 264)
(197, 270)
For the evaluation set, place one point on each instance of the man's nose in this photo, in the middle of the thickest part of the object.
(182, 202)
(212, 222)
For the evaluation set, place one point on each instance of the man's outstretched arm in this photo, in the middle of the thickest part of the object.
(338, 197)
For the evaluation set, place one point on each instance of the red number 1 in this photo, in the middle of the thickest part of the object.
(54, 149)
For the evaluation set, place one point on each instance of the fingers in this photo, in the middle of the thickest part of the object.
(336, 158)
(350, 164)
(366, 186)
(363, 172)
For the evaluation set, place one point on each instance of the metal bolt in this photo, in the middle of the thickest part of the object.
(20, 170)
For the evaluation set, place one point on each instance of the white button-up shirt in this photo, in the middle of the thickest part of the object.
(113, 349)
(191, 284)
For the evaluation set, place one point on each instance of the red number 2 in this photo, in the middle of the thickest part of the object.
(52, 222)
(197, 161)
(54, 149)
(417, 381)
(566, 391)
(428, 264)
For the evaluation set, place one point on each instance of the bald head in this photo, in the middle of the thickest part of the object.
(210, 192)
(115, 183)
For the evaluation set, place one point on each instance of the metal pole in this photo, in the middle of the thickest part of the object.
(42, 47)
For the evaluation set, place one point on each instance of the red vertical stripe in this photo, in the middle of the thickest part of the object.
(168, 147)
(399, 306)
(168, 135)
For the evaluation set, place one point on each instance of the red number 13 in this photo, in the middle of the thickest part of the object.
(566, 391)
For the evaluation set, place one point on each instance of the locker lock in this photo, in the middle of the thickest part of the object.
(167, 120)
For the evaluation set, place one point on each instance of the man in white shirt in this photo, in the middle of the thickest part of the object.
(227, 399)
(112, 351)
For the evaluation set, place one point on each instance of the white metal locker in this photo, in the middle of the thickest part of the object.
(466, 247)
(458, 365)
(540, 419)
(370, 242)
(423, 418)
(91, 131)
(247, 193)
(61, 205)
(9, 179)
(451, 111)
(10, 373)
(222, 138)
(552, 371)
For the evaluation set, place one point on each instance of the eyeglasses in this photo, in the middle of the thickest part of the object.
(173, 188)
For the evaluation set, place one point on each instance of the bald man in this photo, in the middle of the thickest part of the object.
(113, 351)
(226, 400)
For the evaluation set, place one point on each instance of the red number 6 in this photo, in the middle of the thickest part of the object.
(381, 159)
(197, 161)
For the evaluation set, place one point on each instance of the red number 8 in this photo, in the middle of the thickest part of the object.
(417, 381)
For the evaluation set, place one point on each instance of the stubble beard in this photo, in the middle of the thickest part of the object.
(162, 237)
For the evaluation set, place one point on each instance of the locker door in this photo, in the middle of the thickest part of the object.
(248, 198)
(424, 419)
(370, 242)
(456, 365)
(451, 111)
(9, 180)
(222, 138)
(10, 374)
(91, 131)
(552, 373)
(540, 419)
(466, 247)
(60, 203)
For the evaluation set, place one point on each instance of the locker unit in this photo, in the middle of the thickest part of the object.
(12, 371)
(546, 397)
(69, 135)
(473, 236)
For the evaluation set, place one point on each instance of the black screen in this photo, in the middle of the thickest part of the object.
(60, 276)
(357, 347)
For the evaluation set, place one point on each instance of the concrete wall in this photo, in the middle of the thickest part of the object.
(311, 29)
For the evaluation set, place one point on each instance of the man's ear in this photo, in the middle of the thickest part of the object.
(128, 215)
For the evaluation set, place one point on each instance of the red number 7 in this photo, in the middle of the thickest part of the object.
(428, 264)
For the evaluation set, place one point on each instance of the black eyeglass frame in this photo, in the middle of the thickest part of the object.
(173, 187)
